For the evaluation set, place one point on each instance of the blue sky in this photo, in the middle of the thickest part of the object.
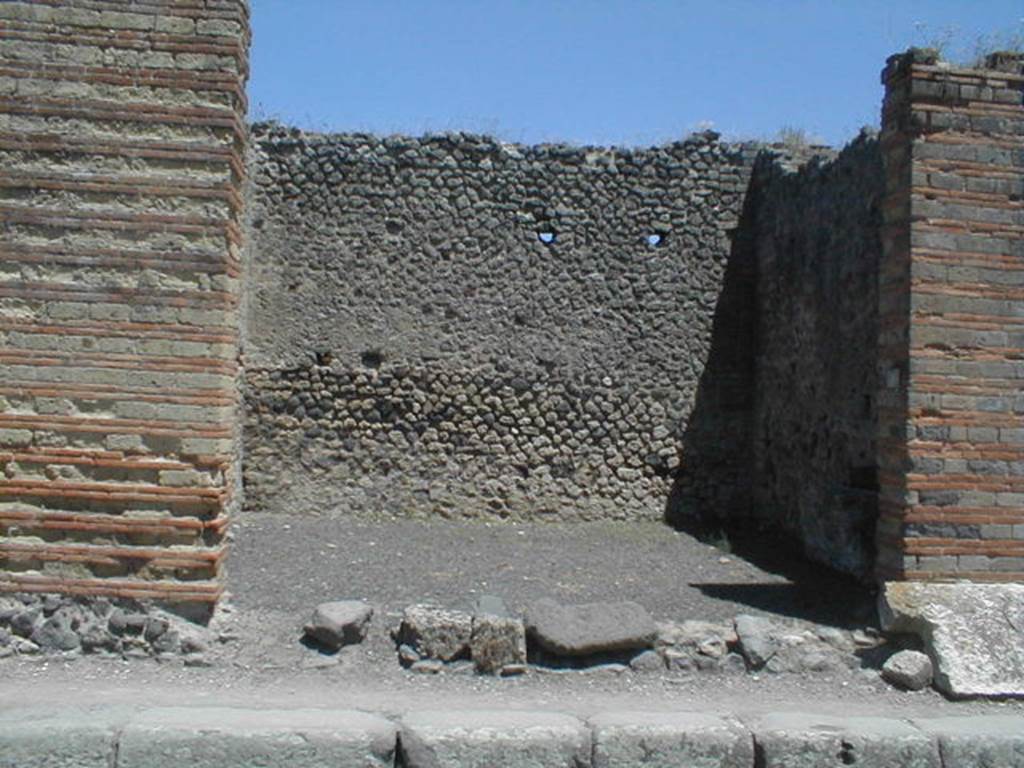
(627, 72)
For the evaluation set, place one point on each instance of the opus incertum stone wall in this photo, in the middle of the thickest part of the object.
(121, 136)
(951, 353)
(452, 325)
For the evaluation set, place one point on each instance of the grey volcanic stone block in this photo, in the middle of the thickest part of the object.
(340, 623)
(793, 740)
(496, 739)
(757, 639)
(581, 630)
(973, 632)
(984, 741)
(669, 740)
(71, 741)
(436, 633)
(223, 737)
(497, 642)
(908, 669)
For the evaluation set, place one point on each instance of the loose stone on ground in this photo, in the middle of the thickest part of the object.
(339, 623)
(911, 670)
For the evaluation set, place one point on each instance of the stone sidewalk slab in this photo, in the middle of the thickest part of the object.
(811, 741)
(496, 739)
(213, 737)
(670, 740)
(75, 739)
(978, 742)
(116, 736)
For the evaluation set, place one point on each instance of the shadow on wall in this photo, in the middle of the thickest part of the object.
(713, 485)
(780, 447)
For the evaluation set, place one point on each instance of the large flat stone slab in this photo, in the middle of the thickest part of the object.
(975, 742)
(496, 739)
(582, 630)
(791, 740)
(670, 740)
(974, 633)
(202, 737)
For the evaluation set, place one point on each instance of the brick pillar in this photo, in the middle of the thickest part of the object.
(951, 352)
(121, 137)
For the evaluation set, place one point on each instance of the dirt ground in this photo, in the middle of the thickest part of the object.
(282, 566)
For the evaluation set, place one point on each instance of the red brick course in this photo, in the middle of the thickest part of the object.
(951, 444)
(117, 393)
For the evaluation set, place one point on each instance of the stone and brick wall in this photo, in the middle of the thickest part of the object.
(452, 325)
(951, 352)
(413, 345)
(121, 138)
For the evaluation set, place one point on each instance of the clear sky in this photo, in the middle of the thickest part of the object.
(628, 72)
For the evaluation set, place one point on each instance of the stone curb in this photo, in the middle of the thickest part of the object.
(120, 737)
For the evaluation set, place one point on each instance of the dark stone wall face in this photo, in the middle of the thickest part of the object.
(816, 235)
(414, 346)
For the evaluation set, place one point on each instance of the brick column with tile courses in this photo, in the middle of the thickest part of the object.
(121, 135)
(951, 440)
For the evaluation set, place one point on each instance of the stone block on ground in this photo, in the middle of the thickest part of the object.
(974, 633)
(911, 670)
(497, 642)
(670, 739)
(340, 623)
(436, 633)
(981, 740)
(782, 646)
(792, 740)
(757, 638)
(593, 628)
(496, 739)
(203, 737)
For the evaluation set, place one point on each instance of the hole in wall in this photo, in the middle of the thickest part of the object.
(546, 237)
(655, 240)
(372, 358)
(323, 356)
(393, 227)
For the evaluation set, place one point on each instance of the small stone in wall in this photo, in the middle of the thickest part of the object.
(340, 623)
(56, 633)
(648, 661)
(911, 670)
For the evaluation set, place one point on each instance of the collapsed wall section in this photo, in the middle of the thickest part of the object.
(815, 234)
(951, 353)
(456, 326)
(121, 138)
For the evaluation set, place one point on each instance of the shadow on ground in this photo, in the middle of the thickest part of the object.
(806, 590)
